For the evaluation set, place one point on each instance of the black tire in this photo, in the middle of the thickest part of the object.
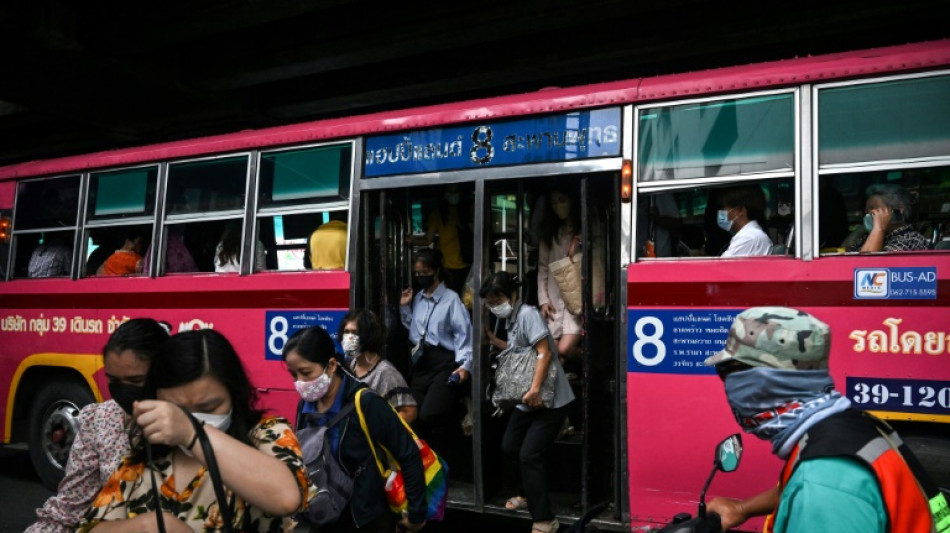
(54, 423)
(933, 451)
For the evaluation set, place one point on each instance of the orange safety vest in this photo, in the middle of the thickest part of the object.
(908, 492)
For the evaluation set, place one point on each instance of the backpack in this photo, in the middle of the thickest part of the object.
(333, 483)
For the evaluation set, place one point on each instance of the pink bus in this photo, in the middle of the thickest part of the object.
(647, 162)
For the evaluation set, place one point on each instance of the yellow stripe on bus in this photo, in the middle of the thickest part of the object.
(911, 417)
(85, 364)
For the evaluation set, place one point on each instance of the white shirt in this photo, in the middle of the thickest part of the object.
(750, 240)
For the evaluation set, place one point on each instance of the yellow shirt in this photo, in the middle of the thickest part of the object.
(328, 246)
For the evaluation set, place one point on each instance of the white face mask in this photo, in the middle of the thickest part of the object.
(722, 219)
(502, 310)
(312, 391)
(219, 422)
(350, 343)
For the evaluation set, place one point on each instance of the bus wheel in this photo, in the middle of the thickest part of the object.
(933, 451)
(54, 424)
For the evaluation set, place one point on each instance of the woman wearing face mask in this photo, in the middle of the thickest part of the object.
(449, 222)
(886, 222)
(326, 387)
(560, 229)
(741, 209)
(362, 337)
(102, 438)
(258, 455)
(440, 334)
(532, 428)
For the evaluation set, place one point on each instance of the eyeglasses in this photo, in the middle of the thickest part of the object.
(729, 367)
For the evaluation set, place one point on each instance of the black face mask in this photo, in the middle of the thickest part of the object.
(425, 281)
(125, 395)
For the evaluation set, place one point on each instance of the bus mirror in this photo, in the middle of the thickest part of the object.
(626, 181)
(6, 228)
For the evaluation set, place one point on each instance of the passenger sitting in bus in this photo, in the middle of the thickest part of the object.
(198, 374)
(441, 356)
(886, 223)
(559, 235)
(102, 438)
(741, 208)
(363, 338)
(327, 247)
(449, 227)
(127, 259)
(177, 256)
(227, 255)
(532, 428)
(51, 258)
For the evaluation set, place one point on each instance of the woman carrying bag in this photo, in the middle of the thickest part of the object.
(532, 428)
(326, 388)
(198, 375)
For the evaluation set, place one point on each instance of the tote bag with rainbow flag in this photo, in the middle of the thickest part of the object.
(436, 472)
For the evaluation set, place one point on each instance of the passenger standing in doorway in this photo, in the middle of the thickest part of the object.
(448, 226)
(559, 232)
(440, 334)
(103, 435)
(532, 428)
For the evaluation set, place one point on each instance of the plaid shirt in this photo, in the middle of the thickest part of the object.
(902, 239)
(49, 261)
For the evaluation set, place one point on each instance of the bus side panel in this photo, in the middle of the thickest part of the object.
(889, 356)
(257, 322)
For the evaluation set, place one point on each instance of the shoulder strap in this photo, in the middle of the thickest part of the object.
(343, 412)
(383, 471)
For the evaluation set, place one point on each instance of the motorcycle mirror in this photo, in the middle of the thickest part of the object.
(728, 453)
(727, 457)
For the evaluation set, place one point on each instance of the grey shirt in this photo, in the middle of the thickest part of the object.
(527, 329)
(386, 380)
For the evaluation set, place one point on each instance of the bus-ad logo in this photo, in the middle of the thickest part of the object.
(870, 283)
(906, 283)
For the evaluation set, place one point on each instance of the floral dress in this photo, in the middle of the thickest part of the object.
(128, 492)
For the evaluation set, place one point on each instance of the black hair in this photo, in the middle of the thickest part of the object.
(315, 345)
(191, 355)
(143, 336)
(500, 284)
(550, 226)
(751, 197)
(432, 259)
(230, 244)
(372, 332)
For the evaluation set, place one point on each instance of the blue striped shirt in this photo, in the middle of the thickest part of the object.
(449, 325)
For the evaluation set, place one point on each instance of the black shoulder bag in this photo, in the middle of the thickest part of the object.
(226, 507)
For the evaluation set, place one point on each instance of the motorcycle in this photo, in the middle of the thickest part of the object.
(728, 453)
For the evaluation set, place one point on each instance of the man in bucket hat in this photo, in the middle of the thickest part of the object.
(845, 470)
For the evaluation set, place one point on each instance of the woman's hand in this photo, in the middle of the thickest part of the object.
(547, 311)
(406, 296)
(463, 374)
(163, 422)
(882, 218)
(532, 398)
(406, 525)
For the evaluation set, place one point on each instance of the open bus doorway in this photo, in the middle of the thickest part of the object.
(502, 217)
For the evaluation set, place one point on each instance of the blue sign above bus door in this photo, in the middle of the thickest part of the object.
(572, 136)
(676, 341)
(281, 325)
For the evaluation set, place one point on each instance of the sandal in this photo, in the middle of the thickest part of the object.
(516, 503)
(545, 527)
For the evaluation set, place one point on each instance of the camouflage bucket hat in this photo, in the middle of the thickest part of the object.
(776, 337)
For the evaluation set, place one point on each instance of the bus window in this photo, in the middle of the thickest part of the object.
(299, 192)
(45, 227)
(919, 199)
(683, 222)
(212, 191)
(119, 218)
(872, 138)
